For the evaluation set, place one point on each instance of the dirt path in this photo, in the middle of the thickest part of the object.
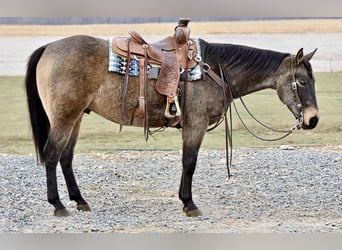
(197, 28)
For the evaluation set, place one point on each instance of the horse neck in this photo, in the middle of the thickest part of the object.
(244, 83)
(245, 77)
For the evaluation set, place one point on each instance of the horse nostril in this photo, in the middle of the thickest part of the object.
(313, 122)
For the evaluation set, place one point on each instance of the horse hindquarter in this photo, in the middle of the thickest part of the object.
(69, 73)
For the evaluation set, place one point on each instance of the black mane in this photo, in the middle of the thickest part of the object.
(242, 59)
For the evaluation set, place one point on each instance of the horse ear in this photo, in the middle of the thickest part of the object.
(310, 55)
(299, 56)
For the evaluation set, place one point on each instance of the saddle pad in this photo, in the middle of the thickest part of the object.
(117, 64)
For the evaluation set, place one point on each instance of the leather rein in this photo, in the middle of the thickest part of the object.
(223, 82)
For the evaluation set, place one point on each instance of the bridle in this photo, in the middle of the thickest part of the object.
(225, 84)
(300, 118)
(294, 86)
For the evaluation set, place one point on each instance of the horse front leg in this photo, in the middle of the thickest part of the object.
(192, 139)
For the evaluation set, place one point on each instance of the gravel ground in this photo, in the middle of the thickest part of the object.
(281, 189)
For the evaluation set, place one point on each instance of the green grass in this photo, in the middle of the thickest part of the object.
(98, 134)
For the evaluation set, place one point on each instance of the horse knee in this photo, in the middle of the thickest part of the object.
(189, 163)
(66, 158)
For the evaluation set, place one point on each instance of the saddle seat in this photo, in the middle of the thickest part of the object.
(155, 50)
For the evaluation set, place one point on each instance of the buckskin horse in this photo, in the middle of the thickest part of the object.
(67, 77)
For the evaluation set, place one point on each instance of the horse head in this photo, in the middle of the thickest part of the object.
(297, 89)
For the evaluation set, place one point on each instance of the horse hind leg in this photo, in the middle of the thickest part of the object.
(52, 150)
(66, 164)
(58, 139)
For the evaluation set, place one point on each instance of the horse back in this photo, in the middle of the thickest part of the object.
(72, 76)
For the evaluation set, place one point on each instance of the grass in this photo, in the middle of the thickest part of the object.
(98, 134)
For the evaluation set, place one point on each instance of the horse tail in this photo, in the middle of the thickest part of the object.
(39, 121)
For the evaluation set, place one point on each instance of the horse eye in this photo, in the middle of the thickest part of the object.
(302, 82)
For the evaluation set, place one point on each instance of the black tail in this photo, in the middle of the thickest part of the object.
(39, 120)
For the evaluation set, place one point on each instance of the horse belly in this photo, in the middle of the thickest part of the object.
(108, 102)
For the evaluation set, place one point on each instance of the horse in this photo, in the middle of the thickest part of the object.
(68, 77)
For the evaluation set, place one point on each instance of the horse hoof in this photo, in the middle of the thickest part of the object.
(61, 212)
(83, 208)
(192, 213)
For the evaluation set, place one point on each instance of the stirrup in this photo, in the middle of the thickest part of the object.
(170, 100)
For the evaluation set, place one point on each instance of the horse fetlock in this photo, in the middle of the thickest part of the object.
(190, 209)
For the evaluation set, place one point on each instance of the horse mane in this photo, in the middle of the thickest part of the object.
(243, 59)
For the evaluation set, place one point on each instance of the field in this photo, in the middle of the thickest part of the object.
(97, 134)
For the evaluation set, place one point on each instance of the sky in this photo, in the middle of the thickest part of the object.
(173, 8)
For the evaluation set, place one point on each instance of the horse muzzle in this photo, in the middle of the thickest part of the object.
(310, 118)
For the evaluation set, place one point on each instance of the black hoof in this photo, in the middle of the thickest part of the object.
(61, 212)
(83, 207)
(192, 213)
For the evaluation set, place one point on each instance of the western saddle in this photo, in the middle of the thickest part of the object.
(173, 54)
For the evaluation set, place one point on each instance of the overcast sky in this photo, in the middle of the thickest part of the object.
(173, 8)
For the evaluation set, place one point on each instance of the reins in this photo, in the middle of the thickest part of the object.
(223, 82)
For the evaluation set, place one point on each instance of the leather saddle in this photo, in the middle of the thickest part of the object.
(172, 54)
(155, 50)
